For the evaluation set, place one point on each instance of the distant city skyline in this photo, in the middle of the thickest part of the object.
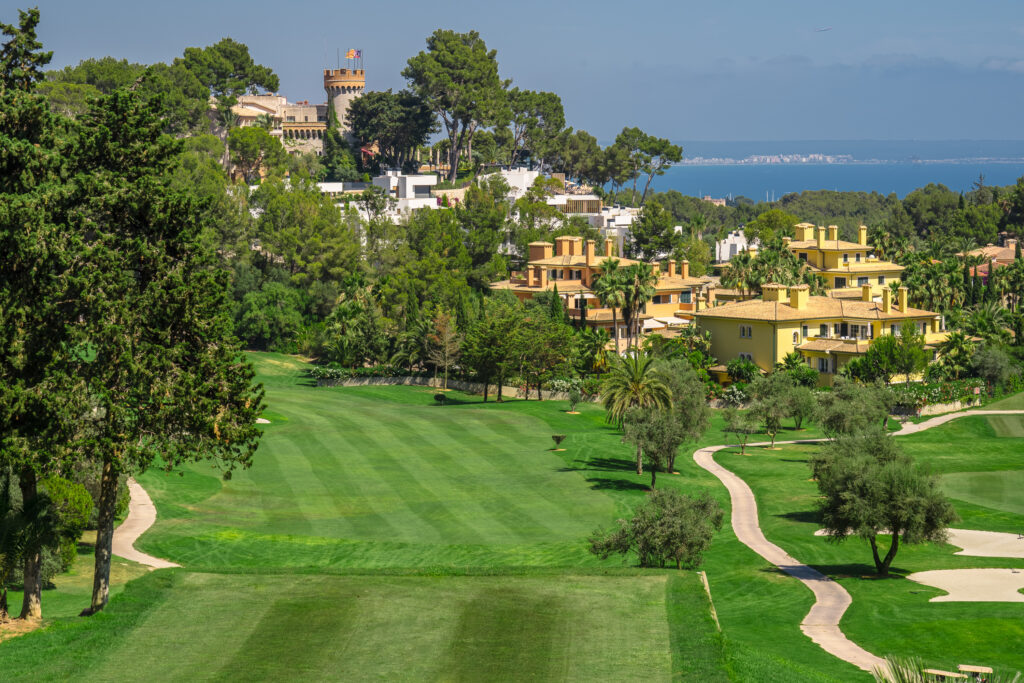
(732, 71)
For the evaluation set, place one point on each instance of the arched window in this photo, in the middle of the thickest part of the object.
(796, 337)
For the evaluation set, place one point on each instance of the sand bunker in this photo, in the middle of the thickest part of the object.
(978, 543)
(987, 543)
(974, 585)
(262, 421)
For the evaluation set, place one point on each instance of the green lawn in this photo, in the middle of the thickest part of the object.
(381, 536)
(894, 615)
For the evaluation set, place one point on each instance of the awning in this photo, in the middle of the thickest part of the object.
(671, 320)
(653, 324)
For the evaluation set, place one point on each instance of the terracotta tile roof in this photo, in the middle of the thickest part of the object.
(836, 345)
(564, 286)
(817, 307)
(677, 282)
(994, 253)
(579, 260)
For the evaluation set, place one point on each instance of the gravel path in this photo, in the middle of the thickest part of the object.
(831, 600)
(141, 516)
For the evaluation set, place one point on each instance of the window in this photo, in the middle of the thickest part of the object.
(656, 299)
(823, 365)
(746, 356)
(746, 331)
(804, 331)
(290, 119)
(862, 281)
(894, 331)
(796, 337)
(684, 297)
(881, 279)
(858, 258)
(840, 282)
(802, 255)
(846, 258)
(823, 330)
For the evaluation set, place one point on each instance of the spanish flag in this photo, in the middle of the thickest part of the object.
(351, 54)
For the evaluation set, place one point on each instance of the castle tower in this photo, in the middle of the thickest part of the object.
(343, 86)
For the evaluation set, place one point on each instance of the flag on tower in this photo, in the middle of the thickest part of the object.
(351, 54)
(359, 54)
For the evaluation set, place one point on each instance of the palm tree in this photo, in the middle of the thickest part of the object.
(264, 121)
(639, 283)
(737, 274)
(990, 321)
(634, 381)
(956, 353)
(610, 291)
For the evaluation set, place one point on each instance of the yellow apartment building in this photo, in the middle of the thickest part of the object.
(846, 266)
(573, 266)
(826, 331)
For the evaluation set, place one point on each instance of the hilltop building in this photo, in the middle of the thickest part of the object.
(826, 331)
(301, 125)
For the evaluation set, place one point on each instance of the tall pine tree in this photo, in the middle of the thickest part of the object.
(164, 375)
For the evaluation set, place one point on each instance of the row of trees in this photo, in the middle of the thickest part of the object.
(118, 349)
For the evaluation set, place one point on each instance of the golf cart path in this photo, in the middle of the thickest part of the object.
(141, 516)
(831, 600)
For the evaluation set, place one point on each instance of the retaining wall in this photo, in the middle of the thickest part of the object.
(468, 387)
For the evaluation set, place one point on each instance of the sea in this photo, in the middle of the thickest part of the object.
(767, 170)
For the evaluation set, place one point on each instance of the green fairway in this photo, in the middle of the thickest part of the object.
(264, 627)
(999, 490)
(1007, 425)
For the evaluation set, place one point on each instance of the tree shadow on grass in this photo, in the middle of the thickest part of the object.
(603, 484)
(601, 465)
(859, 570)
(807, 516)
(452, 401)
(803, 460)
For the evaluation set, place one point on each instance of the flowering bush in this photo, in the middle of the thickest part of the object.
(334, 371)
(918, 396)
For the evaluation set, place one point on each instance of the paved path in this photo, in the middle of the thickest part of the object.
(831, 600)
(141, 516)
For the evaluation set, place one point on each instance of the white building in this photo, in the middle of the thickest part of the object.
(734, 243)
(519, 181)
(410, 192)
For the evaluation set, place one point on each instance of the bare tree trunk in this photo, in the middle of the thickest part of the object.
(639, 460)
(104, 539)
(539, 397)
(486, 387)
(32, 603)
(654, 475)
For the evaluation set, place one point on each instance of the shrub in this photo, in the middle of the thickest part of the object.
(558, 439)
(440, 398)
(667, 527)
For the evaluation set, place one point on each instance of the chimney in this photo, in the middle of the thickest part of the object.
(560, 243)
(608, 248)
(671, 267)
(711, 296)
(886, 300)
(786, 241)
(833, 233)
(804, 232)
(903, 299)
(865, 292)
(540, 250)
(590, 252)
(862, 235)
(535, 276)
(821, 237)
(798, 296)
(684, 269)
(695, 297)
(773, 292)
(656, 267)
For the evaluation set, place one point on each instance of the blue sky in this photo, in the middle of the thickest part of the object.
(726, 70)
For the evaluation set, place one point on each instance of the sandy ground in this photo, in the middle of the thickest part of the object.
(262, 421)
(974, 585)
